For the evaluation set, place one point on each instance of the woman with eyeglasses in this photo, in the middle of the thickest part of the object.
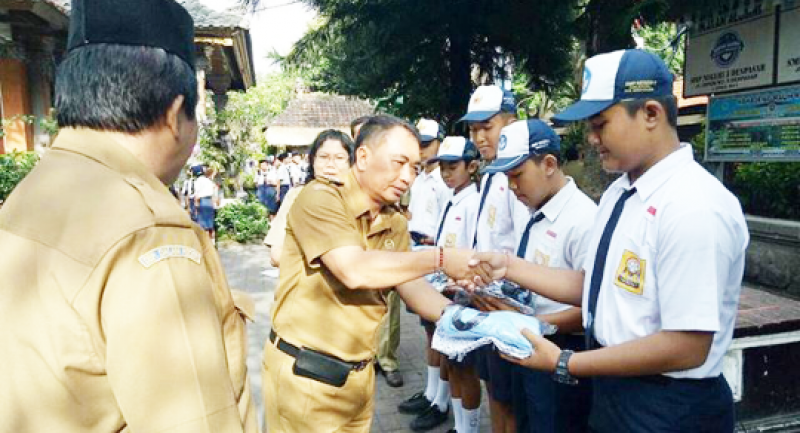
(331, 155)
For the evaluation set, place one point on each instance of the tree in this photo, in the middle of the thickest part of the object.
(424, 57)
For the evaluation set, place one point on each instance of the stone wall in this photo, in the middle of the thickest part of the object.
(773, 257)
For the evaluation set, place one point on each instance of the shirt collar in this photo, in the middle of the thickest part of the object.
(654, 177)
(357, 200)
(424, 175)
(100, 147)
(556, 204)
(464, 193)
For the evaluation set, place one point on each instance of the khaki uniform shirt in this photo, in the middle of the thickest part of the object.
(312, 308)
(115, 314)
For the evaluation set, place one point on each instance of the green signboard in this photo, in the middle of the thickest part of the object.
(761, 125)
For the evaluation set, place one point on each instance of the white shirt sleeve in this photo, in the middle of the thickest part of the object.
(693, 259)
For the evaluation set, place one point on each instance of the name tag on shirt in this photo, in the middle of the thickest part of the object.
(156, 255)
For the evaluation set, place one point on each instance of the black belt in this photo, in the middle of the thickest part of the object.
(292, 350)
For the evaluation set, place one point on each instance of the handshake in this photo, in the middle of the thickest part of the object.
(471, 270)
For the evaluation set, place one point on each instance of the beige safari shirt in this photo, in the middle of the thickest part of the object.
(312, 308)
(115, 314)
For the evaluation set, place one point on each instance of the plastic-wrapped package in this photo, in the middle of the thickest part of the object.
(461, 330)
(512, 294)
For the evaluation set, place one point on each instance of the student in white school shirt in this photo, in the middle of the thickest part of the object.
(557, 235)
(501, 218)
(664, 267)
(458, 159)
(429, 194)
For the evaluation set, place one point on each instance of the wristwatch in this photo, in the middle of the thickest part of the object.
(561, 375)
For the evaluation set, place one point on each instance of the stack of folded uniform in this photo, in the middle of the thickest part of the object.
(461, 330)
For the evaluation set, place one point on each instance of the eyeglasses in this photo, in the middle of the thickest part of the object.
(341, 158)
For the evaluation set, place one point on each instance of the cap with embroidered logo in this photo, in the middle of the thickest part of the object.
(161, 24)
(430, 130)
(521, 140)
(618, 76)
(487, 101)
(457, 149)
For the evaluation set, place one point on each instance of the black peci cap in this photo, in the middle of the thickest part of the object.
(153, 23)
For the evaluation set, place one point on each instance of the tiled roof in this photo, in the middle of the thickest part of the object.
(204, 17)
(319, 110)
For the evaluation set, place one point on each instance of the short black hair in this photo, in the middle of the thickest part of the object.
(329, 134)
(356, 123)
(377, 126)
(669, 102)
(540, 157)
(121, 88)
(283, 156)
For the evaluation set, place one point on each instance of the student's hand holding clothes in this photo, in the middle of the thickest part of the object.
(545, 353)
(490, 303)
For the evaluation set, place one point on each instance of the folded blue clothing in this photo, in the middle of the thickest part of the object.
(461, 330)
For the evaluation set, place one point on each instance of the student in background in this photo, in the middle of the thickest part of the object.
(459, 161)
(557, 234)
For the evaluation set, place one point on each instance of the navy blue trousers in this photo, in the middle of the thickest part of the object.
(543, 405)
(642, 405)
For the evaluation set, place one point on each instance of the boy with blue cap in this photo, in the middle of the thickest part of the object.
(556, 236)
(663, 270)
(501, 217)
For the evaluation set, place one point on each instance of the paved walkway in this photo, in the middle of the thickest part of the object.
(245, 266)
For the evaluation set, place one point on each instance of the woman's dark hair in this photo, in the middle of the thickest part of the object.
(121, 88)
(328, 134)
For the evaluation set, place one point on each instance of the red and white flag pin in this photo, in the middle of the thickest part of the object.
(651, 210)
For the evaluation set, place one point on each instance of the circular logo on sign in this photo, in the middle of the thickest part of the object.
(587, 78)
(503, 142)
(727, 49)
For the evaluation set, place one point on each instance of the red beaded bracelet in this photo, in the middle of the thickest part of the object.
(441, 258)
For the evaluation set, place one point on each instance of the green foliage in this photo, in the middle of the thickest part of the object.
(247, 113)
(770, 189)
(48, 123)
(242, 222)
(14, 167)
(661, 39)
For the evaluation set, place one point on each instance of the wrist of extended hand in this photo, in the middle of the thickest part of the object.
(561, 374)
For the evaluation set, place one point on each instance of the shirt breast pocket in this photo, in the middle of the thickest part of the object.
(632, 269)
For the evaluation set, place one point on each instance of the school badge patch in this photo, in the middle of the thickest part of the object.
(630, 274)
(450, 240)
(541, 258)
(492, 216)
(388, 244)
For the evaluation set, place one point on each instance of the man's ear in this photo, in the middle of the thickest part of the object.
(173, 118)
(362, 153)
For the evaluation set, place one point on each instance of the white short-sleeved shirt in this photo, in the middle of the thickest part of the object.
(503, 218)
(675, 261)
(271, 177)
(429, 196)
(458, 226)
(561, 238)
(283, 175)
(204, 187)
(296, 173)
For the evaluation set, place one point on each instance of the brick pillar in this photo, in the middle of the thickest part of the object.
(16, 102)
